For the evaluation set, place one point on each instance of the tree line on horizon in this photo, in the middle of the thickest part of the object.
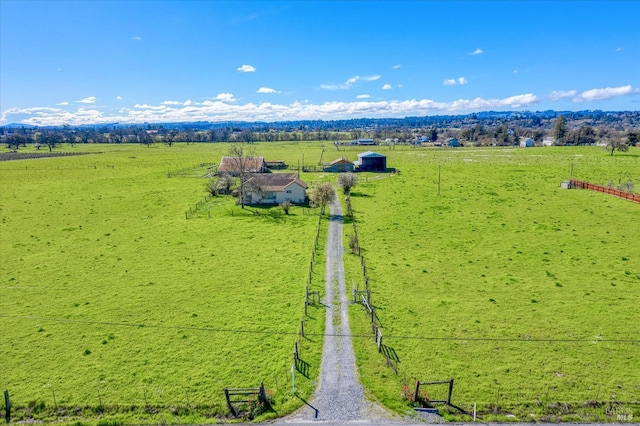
(502, 129)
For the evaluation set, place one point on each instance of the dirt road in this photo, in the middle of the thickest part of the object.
(339, 397)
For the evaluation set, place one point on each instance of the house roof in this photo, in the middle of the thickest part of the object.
(275, 182)
(341, 160)
(251, 165)
(370, 154)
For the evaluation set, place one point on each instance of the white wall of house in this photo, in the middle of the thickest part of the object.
(294, 193)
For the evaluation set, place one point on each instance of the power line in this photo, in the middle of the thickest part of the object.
(291, 333)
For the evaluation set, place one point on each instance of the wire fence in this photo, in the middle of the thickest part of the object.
(312, 297)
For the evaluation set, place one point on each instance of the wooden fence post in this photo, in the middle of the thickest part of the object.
(415, 395)
(7, 405)
(450, 392)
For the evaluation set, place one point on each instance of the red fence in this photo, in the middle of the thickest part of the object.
(622, 194)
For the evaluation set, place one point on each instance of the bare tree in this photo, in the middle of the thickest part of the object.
(15, 140)
(616, 143)
(220, 185)
(51, 139)
(285, 206)
(322, 195)
(347, 181)
(241, 158)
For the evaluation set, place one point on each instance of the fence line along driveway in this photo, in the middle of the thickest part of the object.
(339, 396)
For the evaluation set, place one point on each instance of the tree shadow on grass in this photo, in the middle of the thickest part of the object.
(359, 194)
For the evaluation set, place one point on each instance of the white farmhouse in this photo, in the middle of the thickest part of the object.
(274, 188)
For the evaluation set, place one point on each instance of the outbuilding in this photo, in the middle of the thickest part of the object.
(235, 166)
(340, 165)
(527, 143)
(371, 162)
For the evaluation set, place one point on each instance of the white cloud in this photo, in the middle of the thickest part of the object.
(478, 51)
(559, 94)
(454, 81)
(267, 90)
(119, 98)
(89, 100)
(349, 83)
(151, 107)
(136, 38)
(519, 100)
(395, 67)
(63, 103)
(246, 68)
(386, 87)
(400, 86)
(606, 93)
(618, 49)
(363, 96)
(225, 97)
(187, 102)
(171, 103)
(218, 111)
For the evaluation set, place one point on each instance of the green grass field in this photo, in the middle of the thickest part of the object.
(111, 297)
(502, 253)
(123, 311)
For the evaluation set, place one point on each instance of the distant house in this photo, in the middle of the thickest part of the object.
(234, 165)
(365, 142)
(453, 142)
(371, 162)
(274, 188)
(340, 165)
(548, 141)
(527, 143)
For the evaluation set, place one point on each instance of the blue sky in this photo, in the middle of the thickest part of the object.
(88, 62)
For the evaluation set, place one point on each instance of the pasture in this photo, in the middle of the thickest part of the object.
(528, 295)
(116, 307)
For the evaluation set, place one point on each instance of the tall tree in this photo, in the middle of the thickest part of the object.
(560, 130)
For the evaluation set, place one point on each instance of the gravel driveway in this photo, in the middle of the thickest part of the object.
(339, 397)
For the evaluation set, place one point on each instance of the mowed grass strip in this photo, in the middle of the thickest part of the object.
(502, 254)
(110, 296)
